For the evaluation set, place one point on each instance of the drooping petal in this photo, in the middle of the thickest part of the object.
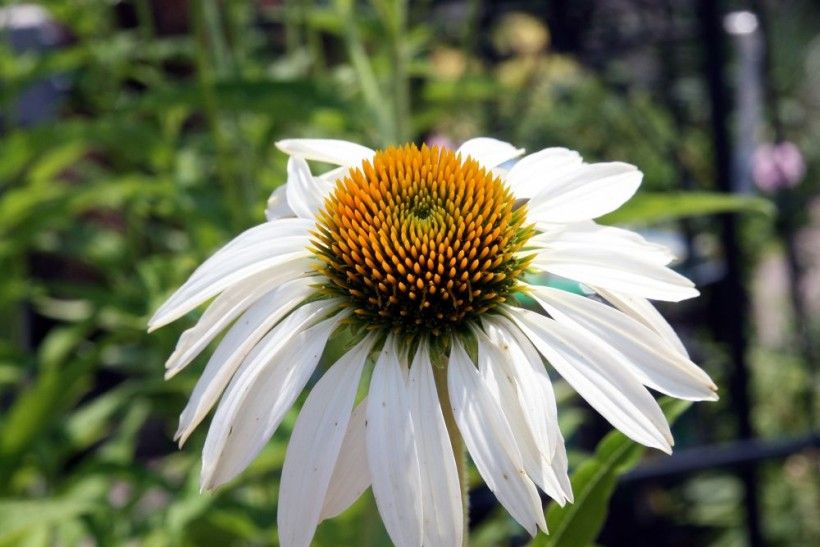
(505, 384)
(524, 352)
(223, 310)
(332, 176)
(277, 243)
(585, 193)
(560, 466)
(642, 310)
(238, 342)
(633, 345)
(594, 237)
(440, 491)
(277, 206)
(534, 172)
(279, 268)
(305, 192)
(314, 446)
(530, 378)
(491, 442)
(488, 152)
(261, 392)
(616, 271)
(613, 391)
(337, 152)
(259, 235)
(351, 475)
(391, 450)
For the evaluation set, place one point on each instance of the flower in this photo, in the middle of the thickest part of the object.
(417, 255)
(777, 166)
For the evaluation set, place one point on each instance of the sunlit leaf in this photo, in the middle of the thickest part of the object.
(18, 516)
(648, 207)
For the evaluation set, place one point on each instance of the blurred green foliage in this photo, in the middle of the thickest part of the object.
(163, 150)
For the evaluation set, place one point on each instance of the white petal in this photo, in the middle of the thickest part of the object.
(491, 442)
(280, 268)
(222, 311)
(261, 248)
(238, 343)
(314, 446)
(391, 450)
(351, 475)
(614, 392)
(531, 380)
(632, 344)
(534, 172)
(560, 466)
(265, 232)
(440, 490)
(597, 238)
(643, 310)
(288, 229)
(332, 177)
(488, 152)
(588, 192)
(261, 392)
(512, 392)
(278, 204)
(337, 152)
(530, 355)
(306, 193)
(522, 353)
(616, 271)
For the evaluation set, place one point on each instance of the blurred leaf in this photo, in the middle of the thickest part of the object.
(17, 516)
(9, 373)
(578, 524)
(292, 99)
(34, 410)
(59, 204)
(90, 422)
(648, 207)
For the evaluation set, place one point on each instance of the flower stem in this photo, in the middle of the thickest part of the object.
(457, 442)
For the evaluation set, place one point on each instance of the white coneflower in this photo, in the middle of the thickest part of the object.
(416, 255)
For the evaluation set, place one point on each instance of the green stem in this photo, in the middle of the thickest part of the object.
(373, 96)
(457, 442)
(207, 84)
(401, 87)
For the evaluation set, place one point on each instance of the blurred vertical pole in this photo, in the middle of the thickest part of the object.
(789, 206)
(743, 27)
(733, 299)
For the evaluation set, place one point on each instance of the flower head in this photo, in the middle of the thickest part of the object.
(416, 256)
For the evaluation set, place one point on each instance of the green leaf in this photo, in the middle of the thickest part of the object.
(19, 516)
(648, 207)
(578, 524)
(60, 379)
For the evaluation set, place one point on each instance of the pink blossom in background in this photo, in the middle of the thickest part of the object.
(777, 166)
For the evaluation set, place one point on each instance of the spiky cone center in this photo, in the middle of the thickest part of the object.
(421, 240)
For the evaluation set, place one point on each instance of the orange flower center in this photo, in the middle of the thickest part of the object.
(421, 240)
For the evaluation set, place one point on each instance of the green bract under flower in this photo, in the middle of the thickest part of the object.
(421, 240)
